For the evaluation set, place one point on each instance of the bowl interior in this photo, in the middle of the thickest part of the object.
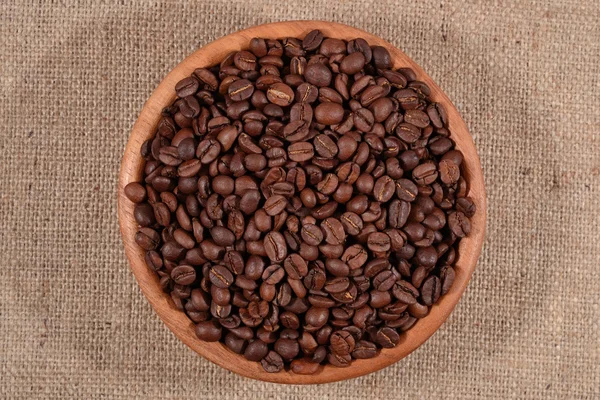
(179, 323)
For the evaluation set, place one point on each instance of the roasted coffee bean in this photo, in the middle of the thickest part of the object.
(459, 224)
(449, 172)
(295, 266)
(301, 151)
(275, 205)
(220, 276)
(272, 362)
(208, 331)
(275, 247)
(333, 231)
(387, 337)
(329, 113)
(384, 189)
(405, 292)
(364, 349)
(318, 75)
(312, 234)
(135, 192)
(280, 94)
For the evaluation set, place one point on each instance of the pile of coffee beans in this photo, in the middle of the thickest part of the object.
(302, 201)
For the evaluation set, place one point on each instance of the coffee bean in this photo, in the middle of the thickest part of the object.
(337, 267)
(256, 350)
(431, 290)
(220, 276)
(378, 242)
(295, 266)
(312, 234)
(312, 40)
(405, 292)
(333, 231)
(355, 256)
(280, 94)
(339, 360)
(425, 174)
(208, 331)
(459, 224)
(135, 192)
(449, 172)
(275, 247)
(329, 113)
(318, 74)
(144, 214)
(272, 362)
(301, 151)
(384, 189)
(387, 337)
(416, 117)
(275, 205)
(341, 342)
(447, 275)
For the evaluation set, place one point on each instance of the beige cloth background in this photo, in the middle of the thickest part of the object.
(73, 77)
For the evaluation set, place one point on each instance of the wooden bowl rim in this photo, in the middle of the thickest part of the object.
(179, 323)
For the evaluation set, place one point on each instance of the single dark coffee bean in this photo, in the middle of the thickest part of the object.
(220, 276)
(384, 189)
(352, 223)
(275, 205)
(333, 231)
(312, 40)
(144, 214)
(339, 360)
(387, 337)
(341, 342)
(147, 239)
(449, 172)
(256, 350)
(318, 74)
(304, 366)
(312, 234)
(337, 267)
(425, 174)
(355, 256)
(459, 224)
(416, 117)
(208, 331)
(406, 190)
(378, 242)
(364, 350)
(272, 362)
(295, 266)
(353, 63)
(329, 113)
(405, 292)
(275, 247)
(280, 94)
(431, 290)
(301, 151)
(135, 192)
(447, 275)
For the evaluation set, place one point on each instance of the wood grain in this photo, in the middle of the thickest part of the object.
(178, 322)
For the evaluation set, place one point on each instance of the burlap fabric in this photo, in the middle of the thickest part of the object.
(73, 77)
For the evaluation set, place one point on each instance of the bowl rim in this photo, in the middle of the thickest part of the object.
(176, 320)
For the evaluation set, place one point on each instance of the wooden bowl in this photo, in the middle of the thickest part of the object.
(179, 323)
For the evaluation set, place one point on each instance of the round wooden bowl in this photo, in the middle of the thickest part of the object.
(179, 323)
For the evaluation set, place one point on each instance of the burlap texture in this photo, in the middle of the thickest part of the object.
(73, 77)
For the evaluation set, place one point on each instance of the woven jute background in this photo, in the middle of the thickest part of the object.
(73, 77)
